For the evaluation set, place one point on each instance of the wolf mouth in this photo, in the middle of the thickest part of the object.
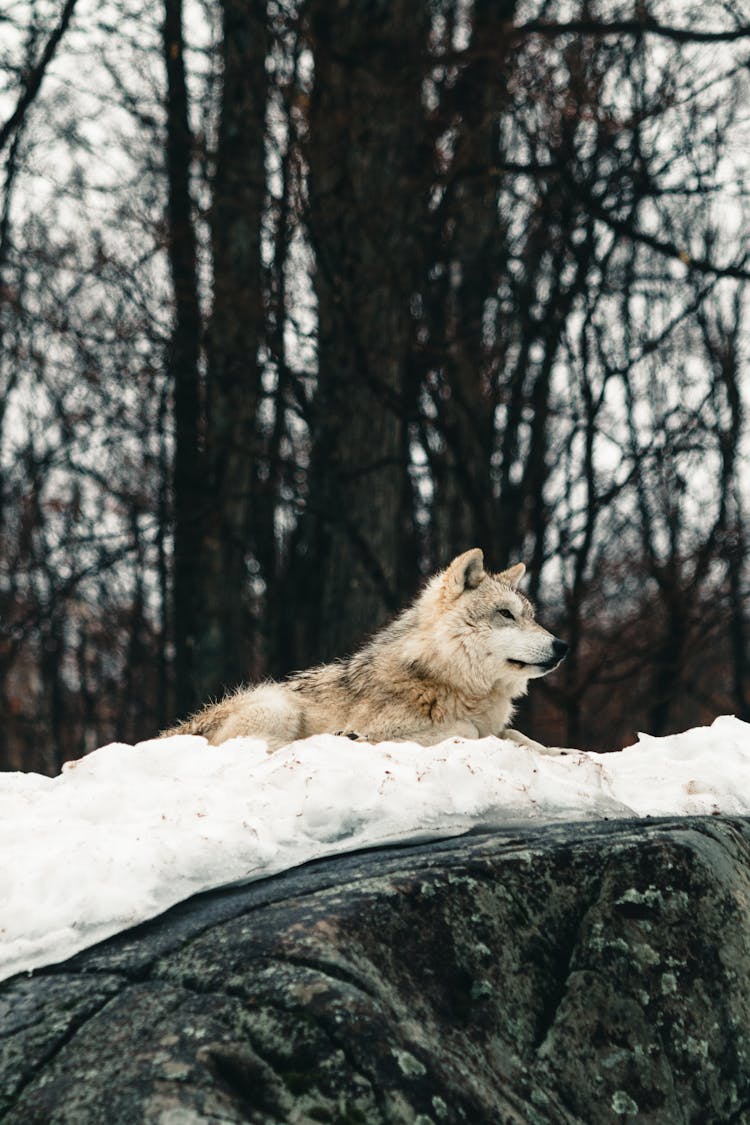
(547, 664)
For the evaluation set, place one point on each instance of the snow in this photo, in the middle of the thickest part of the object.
(128, 831)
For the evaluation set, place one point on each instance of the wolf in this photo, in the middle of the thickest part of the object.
(452, 664)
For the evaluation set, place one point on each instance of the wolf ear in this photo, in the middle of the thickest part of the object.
(464, 573)
(513, 575)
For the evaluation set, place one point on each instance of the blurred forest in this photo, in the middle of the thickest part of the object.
(299, 299)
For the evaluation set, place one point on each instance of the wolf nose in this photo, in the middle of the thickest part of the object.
(560, 648)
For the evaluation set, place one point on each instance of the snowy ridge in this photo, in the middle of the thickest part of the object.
(126, 832)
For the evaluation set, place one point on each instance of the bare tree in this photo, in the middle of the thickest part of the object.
(367, 188)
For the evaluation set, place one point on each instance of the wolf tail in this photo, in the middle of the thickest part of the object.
(193, 725)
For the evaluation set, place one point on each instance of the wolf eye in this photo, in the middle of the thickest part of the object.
(507, 613)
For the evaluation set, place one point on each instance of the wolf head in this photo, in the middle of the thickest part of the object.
(483, 629)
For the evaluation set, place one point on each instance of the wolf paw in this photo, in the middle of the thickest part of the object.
(530, 744)
(352, 734)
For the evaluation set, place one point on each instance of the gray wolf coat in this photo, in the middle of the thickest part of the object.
(451, 664)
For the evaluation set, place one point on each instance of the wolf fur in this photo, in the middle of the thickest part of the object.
(451, 664)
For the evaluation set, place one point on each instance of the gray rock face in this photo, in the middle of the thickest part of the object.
(575, 973)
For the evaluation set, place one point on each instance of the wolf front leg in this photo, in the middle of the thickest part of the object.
(530, 744)
(423, 736)
(440, 732)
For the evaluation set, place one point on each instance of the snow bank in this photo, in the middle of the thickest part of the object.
(126, 832)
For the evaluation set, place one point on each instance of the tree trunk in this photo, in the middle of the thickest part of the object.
(233, 437)
(368, 171)
(471, 251)
(184, 369)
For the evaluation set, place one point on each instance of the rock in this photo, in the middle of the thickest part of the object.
(560, 974)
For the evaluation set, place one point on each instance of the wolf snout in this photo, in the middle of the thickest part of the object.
(560, 650)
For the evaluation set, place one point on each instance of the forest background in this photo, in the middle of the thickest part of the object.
(299, 299)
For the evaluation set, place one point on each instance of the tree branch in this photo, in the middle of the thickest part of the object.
(36, 76)
(666, 248)
(637, 27)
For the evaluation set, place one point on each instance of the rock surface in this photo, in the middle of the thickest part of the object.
(571, 973)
